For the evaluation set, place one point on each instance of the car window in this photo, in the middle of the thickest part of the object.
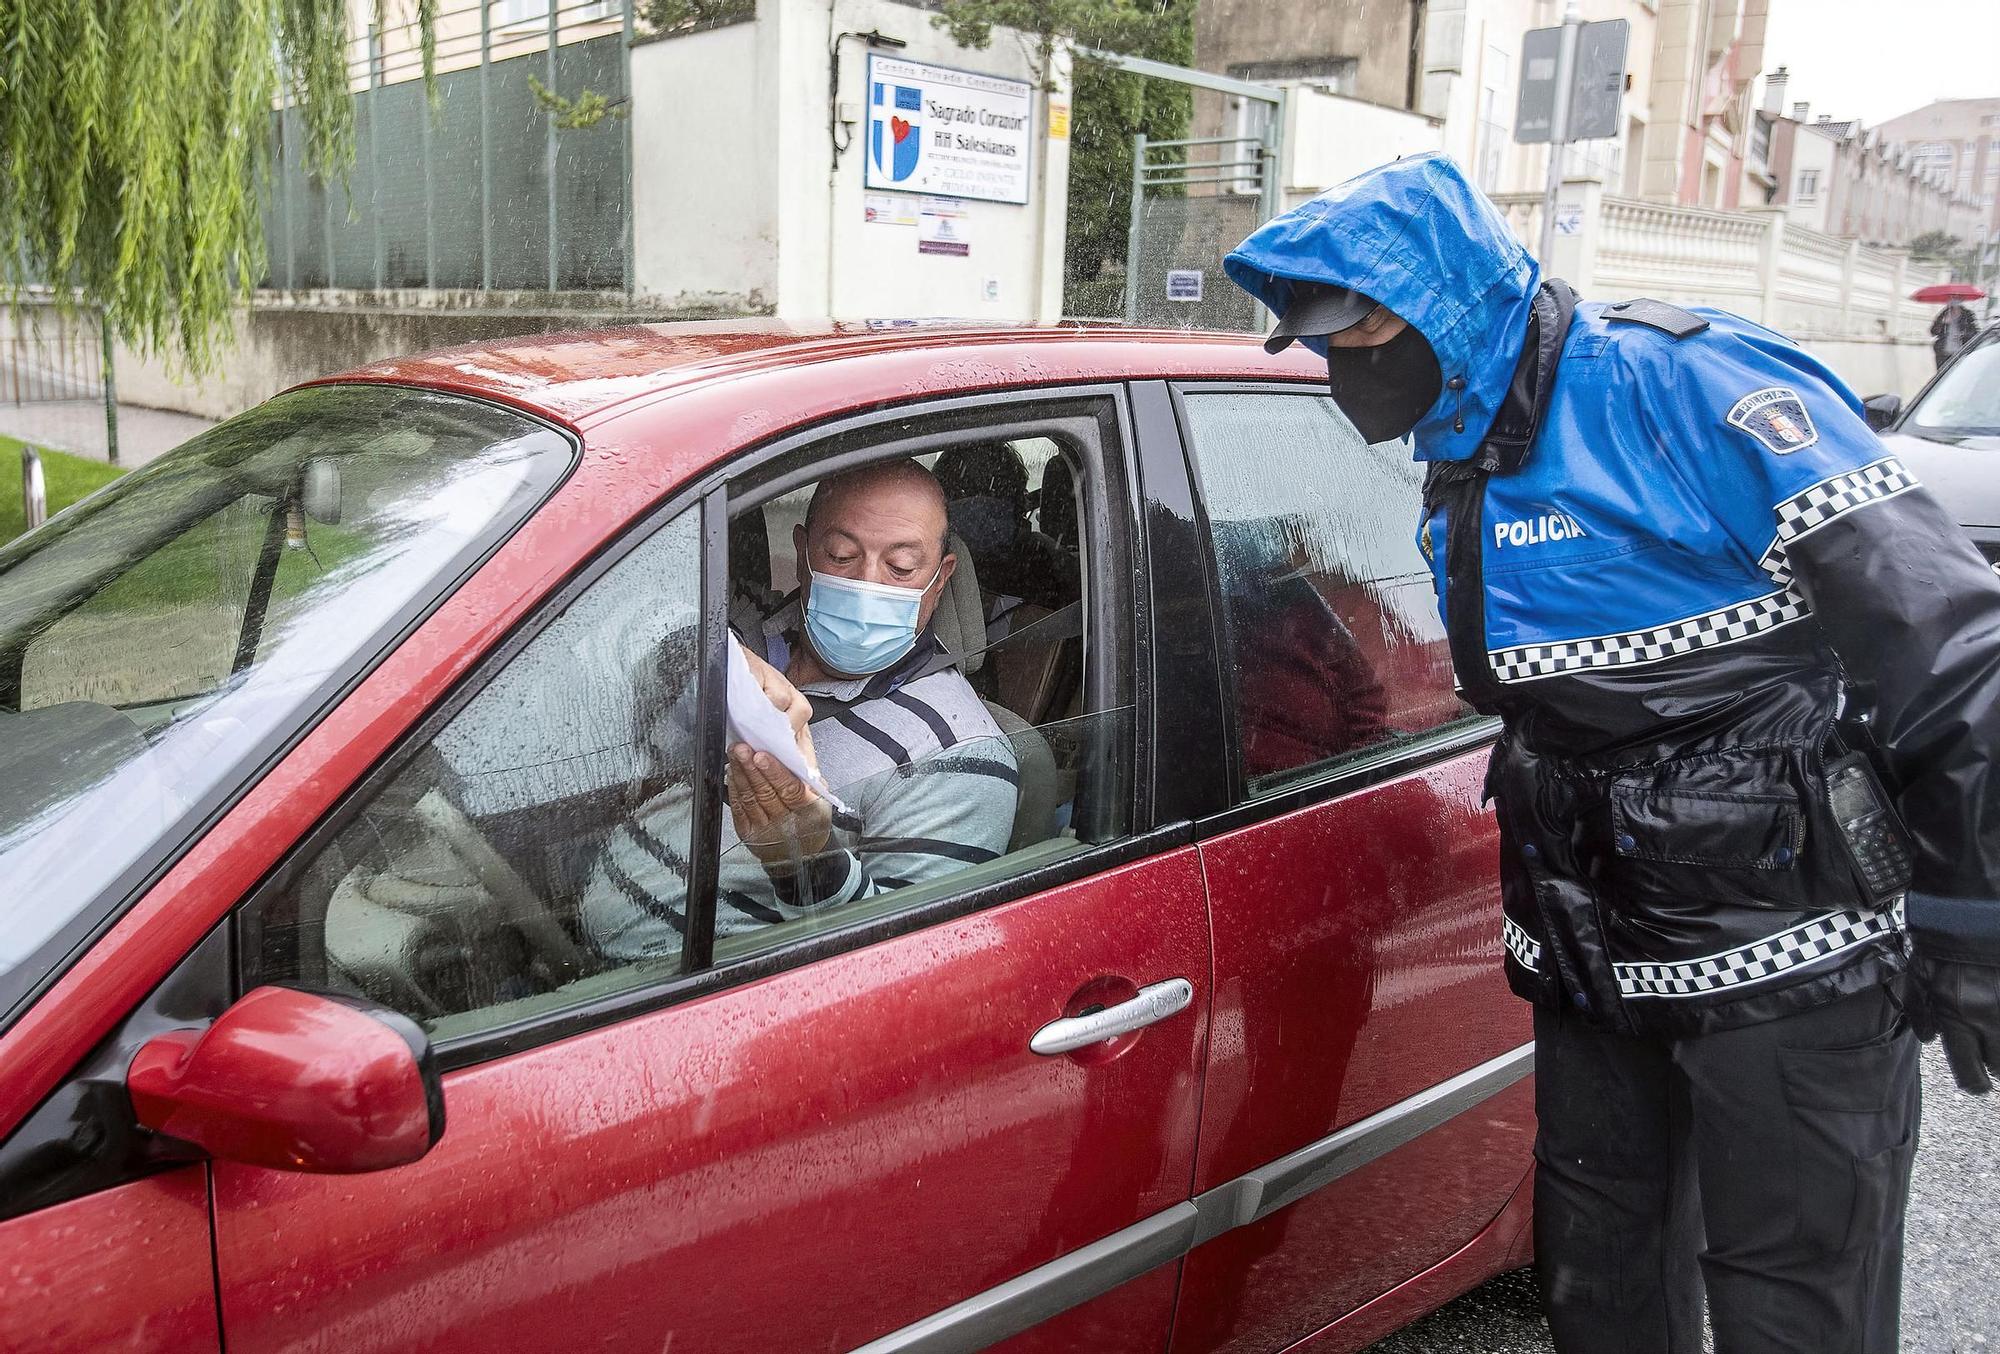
(1965, 399)
(975, 769)
(536, 852)
(460, 885)
(1336, 651)
(158, 639)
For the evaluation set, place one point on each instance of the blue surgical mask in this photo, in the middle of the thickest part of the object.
(860, 628)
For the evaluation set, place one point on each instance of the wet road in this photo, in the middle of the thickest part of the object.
(1951, 1274)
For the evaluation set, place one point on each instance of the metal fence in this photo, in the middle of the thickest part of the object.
(482, 189)
(1192, 202)
(46, 356)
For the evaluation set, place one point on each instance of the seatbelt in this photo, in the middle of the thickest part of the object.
(1059, 625)
(1459, 487)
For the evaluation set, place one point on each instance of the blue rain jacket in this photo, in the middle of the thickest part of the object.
(1706, 558)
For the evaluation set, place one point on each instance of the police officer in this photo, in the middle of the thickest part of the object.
(1750, 824)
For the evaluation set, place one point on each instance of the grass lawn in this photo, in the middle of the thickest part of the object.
(66, 477)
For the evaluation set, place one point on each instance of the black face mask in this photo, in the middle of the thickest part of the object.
(1384, 390)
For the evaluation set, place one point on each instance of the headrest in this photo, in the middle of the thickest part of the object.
(1058, 504)
(986, 497)
(960, 619)
(984, 468)
(750, 551)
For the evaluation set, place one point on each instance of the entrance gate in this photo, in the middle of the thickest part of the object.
(1193, 200)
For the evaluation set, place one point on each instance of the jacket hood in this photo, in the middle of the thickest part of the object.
(1417, 237)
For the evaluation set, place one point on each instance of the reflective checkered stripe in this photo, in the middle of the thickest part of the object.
(1831, 498)
(1527, 951)
(1527, 662)
(1771, 957)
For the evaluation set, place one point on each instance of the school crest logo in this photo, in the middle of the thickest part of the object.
(895, 129)
(1777, 417)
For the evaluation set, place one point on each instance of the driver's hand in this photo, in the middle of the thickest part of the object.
(778, 816)
(791, 702)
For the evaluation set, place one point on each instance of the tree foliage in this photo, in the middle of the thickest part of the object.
(668, 16)
(134, 138)
(1938, 248)
(1109, 107)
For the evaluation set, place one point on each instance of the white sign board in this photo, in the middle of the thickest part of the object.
(949, 133)
(1184, 284)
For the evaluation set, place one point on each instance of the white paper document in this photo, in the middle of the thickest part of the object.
(757, 722)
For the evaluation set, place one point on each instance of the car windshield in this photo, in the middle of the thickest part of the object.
(160, 641)
(1965, 401)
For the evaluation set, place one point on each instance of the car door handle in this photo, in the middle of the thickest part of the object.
(1150, 1006)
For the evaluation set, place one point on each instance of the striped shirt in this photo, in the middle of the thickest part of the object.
(929, 777)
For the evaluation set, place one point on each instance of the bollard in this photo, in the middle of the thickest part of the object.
(34, 489)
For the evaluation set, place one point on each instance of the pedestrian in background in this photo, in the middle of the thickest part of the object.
(1731, 640)
(1952, 330)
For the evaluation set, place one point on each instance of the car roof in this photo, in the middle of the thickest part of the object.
(579, 378)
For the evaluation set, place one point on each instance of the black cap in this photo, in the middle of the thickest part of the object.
(1317, 309)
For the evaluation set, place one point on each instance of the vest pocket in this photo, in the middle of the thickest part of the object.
(1725, 829)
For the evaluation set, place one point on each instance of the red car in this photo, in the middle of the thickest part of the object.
(313, 734)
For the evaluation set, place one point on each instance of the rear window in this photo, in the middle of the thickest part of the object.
(162, 638)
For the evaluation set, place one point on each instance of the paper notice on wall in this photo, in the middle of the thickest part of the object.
(1058, 119)
(943, 227)
(1569, 219)
(889, 209)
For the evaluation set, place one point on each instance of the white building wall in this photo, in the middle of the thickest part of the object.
(1812, 153)
(737, 202)
(704, 229)
(1014, 269)
(1330, 138)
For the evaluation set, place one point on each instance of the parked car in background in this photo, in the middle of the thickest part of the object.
(1949, 436)
(312, 734)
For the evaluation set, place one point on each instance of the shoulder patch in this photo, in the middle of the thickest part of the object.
(1670, 320)
(1777, 417)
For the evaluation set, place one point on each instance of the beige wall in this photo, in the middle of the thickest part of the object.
(1375, 32)
(1970, 130)
(281, 341)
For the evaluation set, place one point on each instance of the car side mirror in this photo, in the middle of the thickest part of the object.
(1881, 410)
(295, 1081)
(319, 490)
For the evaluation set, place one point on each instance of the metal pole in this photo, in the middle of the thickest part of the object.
(286, 174)
(375, 147)
(1132, 231)
(430, 194)
(110, 372)
(625, 60)
(549, 144)
(485, 147)
(1572, 25)
(1273, 155)
(34, 489)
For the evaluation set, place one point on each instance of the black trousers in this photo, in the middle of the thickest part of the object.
(1769, 1165)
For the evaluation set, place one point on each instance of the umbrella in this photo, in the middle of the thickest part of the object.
(1941, 292)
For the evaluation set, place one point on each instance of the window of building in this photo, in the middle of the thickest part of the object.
(1808, 185)
(1336, 652)
(536, 849)
(1495, 125)
(523, 13)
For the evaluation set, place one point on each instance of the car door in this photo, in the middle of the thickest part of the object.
(1365, 1114)
(824, 1133)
